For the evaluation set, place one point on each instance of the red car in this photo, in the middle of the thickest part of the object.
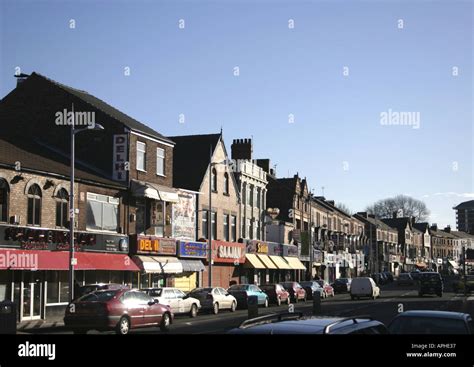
(296, 291)
(328, 289)
(116, 309)
(276, 293)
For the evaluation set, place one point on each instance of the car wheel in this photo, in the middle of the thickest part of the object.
(266, 302)
(278, 301)
(215, 308)
(233, 307)
(123, 326)
(165, 322)
(194, 310)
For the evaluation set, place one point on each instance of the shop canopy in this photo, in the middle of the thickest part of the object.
(266, 261)
(295, 263)
(154, 191)
(192, 265)
(15, 259)
(453, 264)
(252, 261)
(280, 262)
(159, 264)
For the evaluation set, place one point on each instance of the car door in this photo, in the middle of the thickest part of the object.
(134, 307)
(217, 296)
(170, 297)
(150, 313)
(182, 305)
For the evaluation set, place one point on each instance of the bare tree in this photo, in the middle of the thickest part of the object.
(403, 205)
(344, 208)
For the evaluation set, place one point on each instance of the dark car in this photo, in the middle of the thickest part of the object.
(297, 323)
(430, 283)
(312, 286)
(431, 322)
(116, 309)
(342, 285)
(88, 288)
(405, 279)
(296, 291)
(458, 285)
(415, 275)
(389, 276)
(276, 293)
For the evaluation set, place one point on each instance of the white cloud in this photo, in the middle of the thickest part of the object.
(467, 195)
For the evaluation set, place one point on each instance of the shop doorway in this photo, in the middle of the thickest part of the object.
(31, 296)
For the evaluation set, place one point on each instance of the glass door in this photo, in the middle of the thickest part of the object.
(32, 290)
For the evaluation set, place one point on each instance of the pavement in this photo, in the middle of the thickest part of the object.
(393, 299)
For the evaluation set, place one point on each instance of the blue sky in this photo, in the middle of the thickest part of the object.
(336, 141)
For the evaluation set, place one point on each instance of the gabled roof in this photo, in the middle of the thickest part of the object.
(422, 226)
(399, 223)
(191, 159)
(375, 222)
(104, 107)
(465, 205)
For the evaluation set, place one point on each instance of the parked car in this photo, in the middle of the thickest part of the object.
(276, 293)
(116, 309)
(415, 274)
(431, 322)
(297, 323)
(214, 299)
(364, 287)
(242, 292)
(430, 283)
(88, 288)
(458, 285)
(342, 285)
(405, 279)
(176, 299)
(312, 286)
(296, 291)
(328, 289)
(389, 276)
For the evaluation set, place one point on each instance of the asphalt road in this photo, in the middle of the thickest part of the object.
(393, 299)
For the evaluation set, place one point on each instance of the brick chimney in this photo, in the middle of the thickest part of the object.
(363, 214)
(447, 229)
(20, 78)
(434, 227)
(242, 149)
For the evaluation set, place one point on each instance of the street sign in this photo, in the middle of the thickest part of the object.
(74, 261)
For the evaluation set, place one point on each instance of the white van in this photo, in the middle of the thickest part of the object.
(364, 287)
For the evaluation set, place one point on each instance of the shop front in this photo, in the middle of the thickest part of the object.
(290, 255)
(191, 254)
(34, 267)
(225, 268)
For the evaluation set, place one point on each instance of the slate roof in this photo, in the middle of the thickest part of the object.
(465, 205)
(191, 159)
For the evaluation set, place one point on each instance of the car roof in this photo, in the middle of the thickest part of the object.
(434, 314)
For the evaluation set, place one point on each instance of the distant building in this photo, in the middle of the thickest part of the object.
(465, 216)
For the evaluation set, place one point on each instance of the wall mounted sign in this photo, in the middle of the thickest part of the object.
(152, 245)
(120, 151)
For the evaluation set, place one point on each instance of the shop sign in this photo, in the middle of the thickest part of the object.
(153, 245)
(257, 247)
(290, 250)
(228, 252)
(192, 249)
(120, 164)
(27, 238)
(184, 215)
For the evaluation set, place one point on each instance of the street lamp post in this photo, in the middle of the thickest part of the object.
(72, 260)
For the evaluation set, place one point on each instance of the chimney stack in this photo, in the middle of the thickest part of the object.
(434, 227)
(447, 229)
(363, 214)
(20, 78)
(242, 149)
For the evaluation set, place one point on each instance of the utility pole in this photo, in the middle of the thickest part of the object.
(209, 224)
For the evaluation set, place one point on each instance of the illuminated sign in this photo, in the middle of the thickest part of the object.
(153, 245)
(120, 164)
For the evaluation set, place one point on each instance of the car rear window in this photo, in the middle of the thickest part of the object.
(237, 287)
(201, 290)
(427, 325)
(155, 292)
(102, 296)
(267, 287)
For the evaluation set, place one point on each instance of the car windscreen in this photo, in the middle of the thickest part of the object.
(237, 287)
(102, 296)
(201, 291)
(427, 325)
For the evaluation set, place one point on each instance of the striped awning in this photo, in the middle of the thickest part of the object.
(280, 262)
(252, 261)
(295, 263)
(266, 260)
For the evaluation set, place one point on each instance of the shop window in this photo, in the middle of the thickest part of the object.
(34, 205)
(5, 286)
(233, 225)
(226, 183)
(62, 210)
(4, 196)
(58, 287)
(102, 212)
(160, 161)
(141, 156)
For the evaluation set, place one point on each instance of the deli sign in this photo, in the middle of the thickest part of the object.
(228, 252)
(153, 245)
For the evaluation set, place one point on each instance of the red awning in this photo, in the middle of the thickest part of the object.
(58, 260)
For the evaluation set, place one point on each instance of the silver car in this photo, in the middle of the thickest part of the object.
(178, 301)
